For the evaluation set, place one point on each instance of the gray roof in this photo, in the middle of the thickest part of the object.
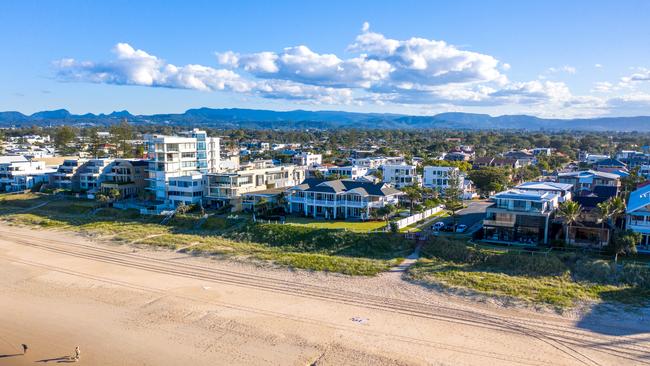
(545, 186)
(586, 173)
(12, 159)
(346, 185)
(525, 195)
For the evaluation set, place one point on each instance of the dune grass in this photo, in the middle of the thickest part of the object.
(558, 280)
(303, 245)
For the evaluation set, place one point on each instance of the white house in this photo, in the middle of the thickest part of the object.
(18, 174)
(186, 188)
(638, 216)
(307, 159)
(439, 177)
(400, 175)
(340, 199)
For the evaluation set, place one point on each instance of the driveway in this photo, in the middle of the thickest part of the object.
(472, 215)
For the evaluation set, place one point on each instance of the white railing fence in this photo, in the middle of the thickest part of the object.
(417, 217)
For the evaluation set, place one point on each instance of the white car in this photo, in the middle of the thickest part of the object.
(461, 228)
(438, 225)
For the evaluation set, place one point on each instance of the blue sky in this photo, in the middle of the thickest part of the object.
(546, 58)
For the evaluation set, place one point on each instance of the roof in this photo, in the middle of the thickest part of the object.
(267, 192)
(610, 162)
(586, 173)
(363, 188)
(12, 159)
(545, 186)
(483, 160)
(638, 199)
(525, 195)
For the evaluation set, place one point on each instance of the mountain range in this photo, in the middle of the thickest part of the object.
(253, 118)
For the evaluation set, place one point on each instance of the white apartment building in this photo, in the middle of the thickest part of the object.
(307, 159)
(349, 172)
(187, 189)
(228, 187)
(400, 175)
(439, 177)
(175, 156)
(18, 174)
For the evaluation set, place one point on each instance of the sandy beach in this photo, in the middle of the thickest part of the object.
(127, 306)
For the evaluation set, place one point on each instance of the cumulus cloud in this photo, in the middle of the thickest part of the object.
(377, 70)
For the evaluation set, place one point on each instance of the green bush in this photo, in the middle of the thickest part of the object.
(527, 264)
(598, 271)
(635, 275)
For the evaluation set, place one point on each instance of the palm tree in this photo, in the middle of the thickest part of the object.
(570, 211)
(618, 208)
(605, 211)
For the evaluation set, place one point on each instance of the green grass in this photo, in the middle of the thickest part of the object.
(304, 244)
(558, 280)
(357, 226)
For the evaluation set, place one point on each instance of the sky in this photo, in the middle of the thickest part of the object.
(546, 58)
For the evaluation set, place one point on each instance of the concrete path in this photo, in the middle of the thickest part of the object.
(397, 271)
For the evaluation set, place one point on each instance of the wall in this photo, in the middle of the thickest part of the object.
(417, 217)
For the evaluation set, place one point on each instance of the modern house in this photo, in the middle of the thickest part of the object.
(127, 176)
(439, 177)
(340, 199)
(610, 165)
(400, 176)
(228, 187)
(307, 159)
(187, 189)
(591, 187)
(347, 172)
(520, 216)
(638, 216)
(18, 174)
(563, 190)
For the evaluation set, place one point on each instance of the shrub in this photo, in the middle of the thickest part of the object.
(448, 249)
(635, 275)
(527, 264)
(599, 271)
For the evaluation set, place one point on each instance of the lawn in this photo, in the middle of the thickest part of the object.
(557, 280)
(300, 245)
(357, 226)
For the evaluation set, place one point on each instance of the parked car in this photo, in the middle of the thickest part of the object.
(461, 228)
(437, 226)
(448, 227)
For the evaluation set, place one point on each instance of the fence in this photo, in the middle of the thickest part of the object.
(417, 217)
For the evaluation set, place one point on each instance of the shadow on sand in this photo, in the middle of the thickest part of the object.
(62, 359)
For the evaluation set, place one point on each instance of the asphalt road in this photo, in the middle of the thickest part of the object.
(472, 215)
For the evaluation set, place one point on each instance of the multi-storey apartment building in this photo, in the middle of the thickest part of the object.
(401, 176)
(340, 199)
(307, 159)
(18, 174)
(520, 216)
(89, 176)
(439, 178)
(228, 187)
(188, 189)
(127, 176)
(64, 175)
(174, 156)
(638, 216)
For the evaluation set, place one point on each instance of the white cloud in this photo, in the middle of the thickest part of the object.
(421, 73)
(566, 68)
(598, 66)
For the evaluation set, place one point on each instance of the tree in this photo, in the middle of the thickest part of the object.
(63, 136)
(618, 208)
(414, 194)
(489, 179)
(261, 207)
(625, 243)
(102, 199)
(182, 208)
(94, 142)
(121, 134)
(453, 194)
(114, 194)
(569, 211)
(604, 211)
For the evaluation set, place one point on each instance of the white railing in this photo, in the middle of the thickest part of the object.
(417, 217)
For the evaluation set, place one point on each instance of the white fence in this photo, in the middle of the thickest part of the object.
(417, 217)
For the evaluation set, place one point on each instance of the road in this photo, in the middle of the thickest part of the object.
(164, 308)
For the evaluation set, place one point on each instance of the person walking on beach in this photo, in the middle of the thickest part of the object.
(25, 348)
(77, 354)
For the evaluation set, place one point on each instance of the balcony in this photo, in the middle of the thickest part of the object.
(501, 223)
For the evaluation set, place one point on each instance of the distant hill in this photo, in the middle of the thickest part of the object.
(254, 118)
